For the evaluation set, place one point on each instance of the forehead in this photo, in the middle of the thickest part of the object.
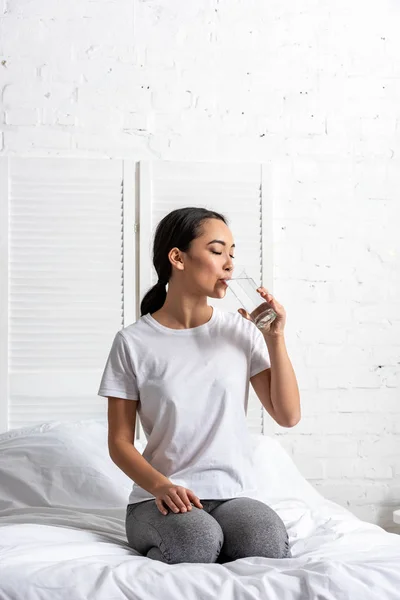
(216, 229)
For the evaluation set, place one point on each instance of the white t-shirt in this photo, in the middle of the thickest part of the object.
(192, 390)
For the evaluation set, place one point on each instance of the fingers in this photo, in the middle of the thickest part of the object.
(160, 506)
(178, 503)
(195, 499)
(185, 499)
(178, 500)
(265, 294)
(268, 297)
(171, 503)
(174, 502)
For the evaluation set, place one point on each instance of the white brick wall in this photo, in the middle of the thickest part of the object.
(313, 86)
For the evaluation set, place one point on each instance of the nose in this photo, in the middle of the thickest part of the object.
(229, 266)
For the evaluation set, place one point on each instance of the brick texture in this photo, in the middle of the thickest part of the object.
(313, 88)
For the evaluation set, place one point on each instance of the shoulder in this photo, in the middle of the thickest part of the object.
(134, 333)
(234, 317)
(235, 322)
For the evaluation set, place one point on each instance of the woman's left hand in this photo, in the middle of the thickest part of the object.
(278, 324)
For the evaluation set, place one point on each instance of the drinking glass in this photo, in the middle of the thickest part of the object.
(245, 290)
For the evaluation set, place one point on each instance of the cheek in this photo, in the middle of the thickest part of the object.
(212, 267)
(207, 265)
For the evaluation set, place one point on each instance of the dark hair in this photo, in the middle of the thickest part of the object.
(177, 229)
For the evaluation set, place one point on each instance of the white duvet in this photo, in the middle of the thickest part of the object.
(62, 532)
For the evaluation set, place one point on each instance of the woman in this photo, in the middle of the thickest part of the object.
(185, 367)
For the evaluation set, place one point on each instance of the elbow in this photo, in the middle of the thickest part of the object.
(294, 420)
(290, 421)
(111, 454)
(113, 451)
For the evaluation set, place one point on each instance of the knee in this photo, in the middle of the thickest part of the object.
(196, 545)
(270, 545)
(276, 540)
(277, 543)
(278, 546)
(262, 535)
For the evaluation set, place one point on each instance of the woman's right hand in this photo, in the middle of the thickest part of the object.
(176, 497)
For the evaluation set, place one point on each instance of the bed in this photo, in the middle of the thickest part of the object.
(62, 533)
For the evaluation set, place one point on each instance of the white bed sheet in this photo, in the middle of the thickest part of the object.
(62, 533)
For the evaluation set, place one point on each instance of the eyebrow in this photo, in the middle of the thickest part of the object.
(219, 242)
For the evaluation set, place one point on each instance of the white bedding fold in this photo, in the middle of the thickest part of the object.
(72, 545)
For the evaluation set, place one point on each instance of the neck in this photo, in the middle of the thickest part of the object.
(182, 310)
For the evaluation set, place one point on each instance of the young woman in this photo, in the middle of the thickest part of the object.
(185, 368)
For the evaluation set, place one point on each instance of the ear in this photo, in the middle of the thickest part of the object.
(175, 257)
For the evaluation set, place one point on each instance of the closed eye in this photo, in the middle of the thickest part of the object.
(219, 253)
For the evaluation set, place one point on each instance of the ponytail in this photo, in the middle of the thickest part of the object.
(154, 299)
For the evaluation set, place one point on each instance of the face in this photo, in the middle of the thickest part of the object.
(209, 261)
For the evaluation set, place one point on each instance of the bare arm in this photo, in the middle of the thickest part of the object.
(121, 435)
(277, 386)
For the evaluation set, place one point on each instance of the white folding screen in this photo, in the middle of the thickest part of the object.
(236, 191)
(75, 248)
(69, 287)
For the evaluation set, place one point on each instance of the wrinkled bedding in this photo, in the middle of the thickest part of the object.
(62, 533)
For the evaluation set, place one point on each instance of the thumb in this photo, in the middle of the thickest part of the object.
(244, 313)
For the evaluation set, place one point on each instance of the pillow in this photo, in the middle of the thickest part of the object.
(278, 477)
(68, 465)
(60, 464)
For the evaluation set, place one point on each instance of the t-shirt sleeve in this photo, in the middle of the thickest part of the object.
(259, 360)
(119, 378)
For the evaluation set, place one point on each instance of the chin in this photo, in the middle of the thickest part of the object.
(219, 293)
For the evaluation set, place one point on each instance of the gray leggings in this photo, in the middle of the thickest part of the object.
(221, 531)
